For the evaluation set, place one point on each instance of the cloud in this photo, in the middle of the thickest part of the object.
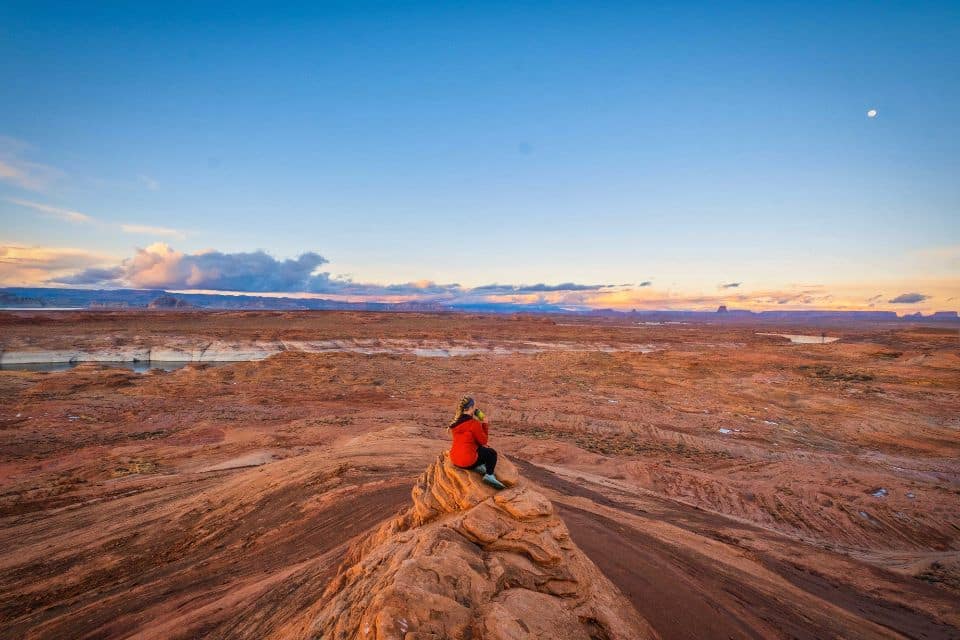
(71, 215)
(9, 172)
(324, 283)
(535, 288)
(16, 170)
(150, 230)
(730, 285)
(780, 298)
(909, 298)
(148, 182)
(92, 276)
(645, 283)
(57, 212)
(23, 265)
(161, 267)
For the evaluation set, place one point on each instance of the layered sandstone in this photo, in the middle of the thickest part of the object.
(465, 561)
(730, 485)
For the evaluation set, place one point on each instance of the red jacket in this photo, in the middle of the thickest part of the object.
(467, 436)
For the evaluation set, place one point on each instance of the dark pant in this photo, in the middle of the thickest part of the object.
(487, 457)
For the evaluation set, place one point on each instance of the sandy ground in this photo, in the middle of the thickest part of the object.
(731, 484)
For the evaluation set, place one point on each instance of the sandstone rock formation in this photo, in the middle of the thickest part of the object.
(468, 562)
(167, 301)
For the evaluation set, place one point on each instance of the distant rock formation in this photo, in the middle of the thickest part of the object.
(468, 562)
(141, 298)
(167, 301)
(8, 299)
(943, 315)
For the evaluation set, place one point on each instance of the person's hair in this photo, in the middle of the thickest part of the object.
(465, 403)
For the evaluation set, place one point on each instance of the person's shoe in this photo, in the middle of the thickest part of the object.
(491, 480)
(481, 469)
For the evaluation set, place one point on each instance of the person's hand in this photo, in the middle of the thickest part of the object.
(480, 415)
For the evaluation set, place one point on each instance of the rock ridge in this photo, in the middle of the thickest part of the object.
(467, 562)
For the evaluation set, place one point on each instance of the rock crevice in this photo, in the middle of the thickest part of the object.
(465, 561)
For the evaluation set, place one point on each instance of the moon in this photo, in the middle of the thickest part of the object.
(872, 113)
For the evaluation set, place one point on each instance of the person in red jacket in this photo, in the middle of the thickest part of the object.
(470, 431)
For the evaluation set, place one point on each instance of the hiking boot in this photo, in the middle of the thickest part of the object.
(491, 480)
(481, 469)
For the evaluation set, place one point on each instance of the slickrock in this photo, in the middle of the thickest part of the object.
(465, 561)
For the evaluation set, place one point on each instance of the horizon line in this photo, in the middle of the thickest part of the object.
(455, 305)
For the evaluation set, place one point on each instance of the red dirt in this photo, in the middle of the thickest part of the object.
(111, 526)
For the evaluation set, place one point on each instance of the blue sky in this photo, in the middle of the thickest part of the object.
(686, 144)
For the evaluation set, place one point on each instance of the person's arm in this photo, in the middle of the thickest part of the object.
(482, 432)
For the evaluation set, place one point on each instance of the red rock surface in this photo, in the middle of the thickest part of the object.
(220, 502)
(465, 561)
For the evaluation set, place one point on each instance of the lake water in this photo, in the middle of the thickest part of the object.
(136, 367)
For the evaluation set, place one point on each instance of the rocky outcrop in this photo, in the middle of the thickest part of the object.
(465, 561)
(167, 301)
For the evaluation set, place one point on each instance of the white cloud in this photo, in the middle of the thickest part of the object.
(71, 215)
(150, 230)
(64, 214)
(16, 170)
(22, 265)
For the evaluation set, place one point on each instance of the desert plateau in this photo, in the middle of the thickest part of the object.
(479, 320)
(666, 480)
